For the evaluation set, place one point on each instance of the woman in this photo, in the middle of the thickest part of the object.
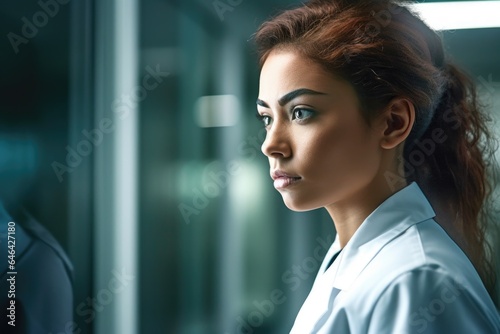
(366, 118)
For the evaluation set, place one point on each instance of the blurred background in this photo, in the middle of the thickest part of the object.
(127, 129)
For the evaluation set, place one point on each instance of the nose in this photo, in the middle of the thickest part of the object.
(277, 144)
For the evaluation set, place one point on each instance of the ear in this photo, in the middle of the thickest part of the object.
(398, 119)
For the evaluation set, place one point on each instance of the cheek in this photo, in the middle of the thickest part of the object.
(346, 155)
(333, 168)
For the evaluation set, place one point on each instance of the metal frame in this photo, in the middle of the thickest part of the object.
(115, 182)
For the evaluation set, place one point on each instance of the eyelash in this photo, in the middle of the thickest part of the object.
(262, 118)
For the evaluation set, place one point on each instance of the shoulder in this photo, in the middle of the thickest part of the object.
(33, 241)
(426, 247)
(419, 281)
(425, 258)
(37, 256)
(428, 299)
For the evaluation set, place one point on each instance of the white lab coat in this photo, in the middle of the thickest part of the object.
(399, 273)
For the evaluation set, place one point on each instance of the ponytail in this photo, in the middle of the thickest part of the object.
(458, 169)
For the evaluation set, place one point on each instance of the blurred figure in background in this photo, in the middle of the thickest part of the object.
(35, 277)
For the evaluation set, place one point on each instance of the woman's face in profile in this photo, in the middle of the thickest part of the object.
(321, 150)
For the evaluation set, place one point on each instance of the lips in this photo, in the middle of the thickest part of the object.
(284, 179)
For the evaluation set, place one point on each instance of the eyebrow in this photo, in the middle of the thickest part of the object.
(290, 96)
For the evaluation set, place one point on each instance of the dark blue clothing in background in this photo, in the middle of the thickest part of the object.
(43, 283)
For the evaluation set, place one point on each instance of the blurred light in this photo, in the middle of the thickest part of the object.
(179, 180)
(460, 14)
(19, 162)
(192, 180)
(246, 189)
(18, 156)
(217, 111)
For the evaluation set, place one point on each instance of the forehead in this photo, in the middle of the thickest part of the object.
(287, 70)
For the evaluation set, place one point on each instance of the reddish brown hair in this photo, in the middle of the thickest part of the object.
(385, 51)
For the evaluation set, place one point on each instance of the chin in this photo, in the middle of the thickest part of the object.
(299, 205)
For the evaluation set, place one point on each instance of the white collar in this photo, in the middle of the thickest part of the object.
(403, 209)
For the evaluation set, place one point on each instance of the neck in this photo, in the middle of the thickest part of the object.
(349, 213)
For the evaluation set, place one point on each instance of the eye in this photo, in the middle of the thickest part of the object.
(265, 119)
(301, 114)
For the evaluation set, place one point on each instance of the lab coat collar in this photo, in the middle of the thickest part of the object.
(403, 209)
